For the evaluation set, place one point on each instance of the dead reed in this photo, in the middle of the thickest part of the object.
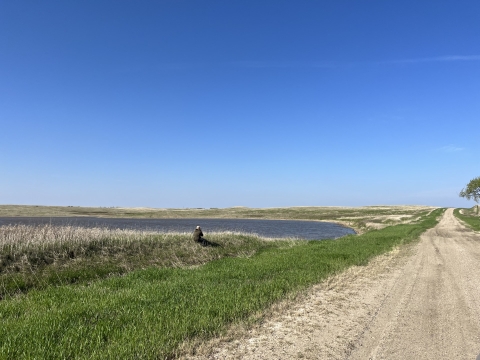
(42, 255)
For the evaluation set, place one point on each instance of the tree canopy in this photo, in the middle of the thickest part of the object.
(472, 190)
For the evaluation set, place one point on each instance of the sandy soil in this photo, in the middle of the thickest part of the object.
(417, 302)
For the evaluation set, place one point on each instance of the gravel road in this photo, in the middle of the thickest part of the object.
(418, 302)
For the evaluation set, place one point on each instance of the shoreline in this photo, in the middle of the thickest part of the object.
(359, 219)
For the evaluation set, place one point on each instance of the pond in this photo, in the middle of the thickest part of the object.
(307, 230)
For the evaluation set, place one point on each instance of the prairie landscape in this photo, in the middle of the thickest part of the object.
(147, 119)
(358, 218)
(117, 293)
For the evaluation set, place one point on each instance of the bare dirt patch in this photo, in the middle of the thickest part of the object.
(418, 302)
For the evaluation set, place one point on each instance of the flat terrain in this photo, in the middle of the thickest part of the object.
(358, 218)
(419, 302)
(102, 293)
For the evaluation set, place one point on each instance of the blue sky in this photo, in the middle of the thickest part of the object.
(238, 103)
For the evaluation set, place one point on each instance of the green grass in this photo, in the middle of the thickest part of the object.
(148, 314)
(469, 217)
(35, 257)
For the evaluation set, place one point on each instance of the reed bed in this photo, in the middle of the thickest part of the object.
(38, 256)
(19, 239)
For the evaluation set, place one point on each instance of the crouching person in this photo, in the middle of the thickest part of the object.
(197, 235)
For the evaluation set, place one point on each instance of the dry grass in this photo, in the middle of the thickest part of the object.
(36, 256)
(18, 238)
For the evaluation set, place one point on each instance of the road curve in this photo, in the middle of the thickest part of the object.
(418, 302)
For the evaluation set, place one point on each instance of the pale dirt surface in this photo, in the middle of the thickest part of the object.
(418, 302)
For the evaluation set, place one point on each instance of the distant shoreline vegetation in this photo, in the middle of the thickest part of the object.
(360, 219)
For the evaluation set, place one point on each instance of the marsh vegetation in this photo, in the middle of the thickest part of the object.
(98, 293)
(359, 218)
(40, 256)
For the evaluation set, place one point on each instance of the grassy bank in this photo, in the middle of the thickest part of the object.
(148, 313)
(468, 216)
(35, 257)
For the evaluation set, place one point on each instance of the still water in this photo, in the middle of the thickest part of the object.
(308, 230)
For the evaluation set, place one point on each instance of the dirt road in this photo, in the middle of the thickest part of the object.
(419, 302)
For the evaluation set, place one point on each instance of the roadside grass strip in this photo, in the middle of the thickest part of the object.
(469, 217)
(149, 313)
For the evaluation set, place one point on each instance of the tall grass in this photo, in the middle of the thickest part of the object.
(40, 256)
(149, 313)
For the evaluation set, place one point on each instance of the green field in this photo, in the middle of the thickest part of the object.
(151, 309)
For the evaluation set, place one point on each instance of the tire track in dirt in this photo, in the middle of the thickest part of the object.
(418, 302)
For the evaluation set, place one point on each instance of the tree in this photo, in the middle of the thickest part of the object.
(472, 190)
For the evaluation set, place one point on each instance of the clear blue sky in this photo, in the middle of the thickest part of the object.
(238, 103)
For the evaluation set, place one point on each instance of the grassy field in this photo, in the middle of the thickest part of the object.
(150, 311)
(35, 257)
(359, 218)
(469, 216)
